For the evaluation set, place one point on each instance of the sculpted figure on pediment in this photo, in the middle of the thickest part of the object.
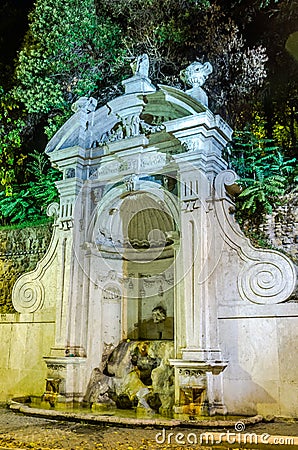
(140, 66)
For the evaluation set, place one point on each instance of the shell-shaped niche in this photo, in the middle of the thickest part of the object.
(135, 220)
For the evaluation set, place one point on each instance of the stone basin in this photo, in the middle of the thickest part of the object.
(35, 406)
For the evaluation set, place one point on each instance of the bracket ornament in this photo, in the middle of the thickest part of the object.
(28, 297)
(265, 282)
(267, 276)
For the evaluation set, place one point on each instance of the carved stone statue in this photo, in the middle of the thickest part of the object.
(140, 66)
(131, 183)
(158, 314)
(196, 73)
(88, 104)
(158, 327)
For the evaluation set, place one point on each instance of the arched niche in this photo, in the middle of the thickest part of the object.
(132, 234)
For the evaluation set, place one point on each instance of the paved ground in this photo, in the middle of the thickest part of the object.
(21, 432)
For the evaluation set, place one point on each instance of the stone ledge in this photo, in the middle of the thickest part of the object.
(127, 421)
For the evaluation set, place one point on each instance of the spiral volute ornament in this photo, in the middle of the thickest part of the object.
(224, 182)
(28, 296)
(266, 282)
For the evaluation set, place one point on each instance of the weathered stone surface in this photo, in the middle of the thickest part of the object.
(281, 227)
(135, 374)
(20, 251)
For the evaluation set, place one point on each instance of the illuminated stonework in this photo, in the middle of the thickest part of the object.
(144, 224)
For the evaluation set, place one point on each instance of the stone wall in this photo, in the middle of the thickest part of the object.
(259, 342)
(20, 250)
(25, 339)
(280, 229)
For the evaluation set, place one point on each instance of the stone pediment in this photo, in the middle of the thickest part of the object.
(124, 117)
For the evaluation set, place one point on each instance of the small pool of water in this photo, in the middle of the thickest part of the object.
(85, 409)
(95, 409)
(135, 413)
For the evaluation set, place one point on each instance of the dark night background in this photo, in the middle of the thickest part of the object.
(13, 25)
(270, 29)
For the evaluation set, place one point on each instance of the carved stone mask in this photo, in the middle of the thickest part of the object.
(158, 315)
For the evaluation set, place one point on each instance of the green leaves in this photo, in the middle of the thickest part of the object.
(56, 120)
(261, 193)
(29, 202)
(264, 173)
(67, 50)
(11, 128)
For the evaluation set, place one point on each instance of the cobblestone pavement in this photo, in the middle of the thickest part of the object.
(22, 432)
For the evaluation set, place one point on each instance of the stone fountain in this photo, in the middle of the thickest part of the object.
(149, 283)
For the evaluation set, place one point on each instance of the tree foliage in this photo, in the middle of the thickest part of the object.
(13, 23)
(11, 129)
(74, 48)
(175, 33)
(271, 23)
(265, 173)
(28, 202)
(67, 50)
(240, 70)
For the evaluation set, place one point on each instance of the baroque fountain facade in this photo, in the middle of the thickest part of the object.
(149, 294)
